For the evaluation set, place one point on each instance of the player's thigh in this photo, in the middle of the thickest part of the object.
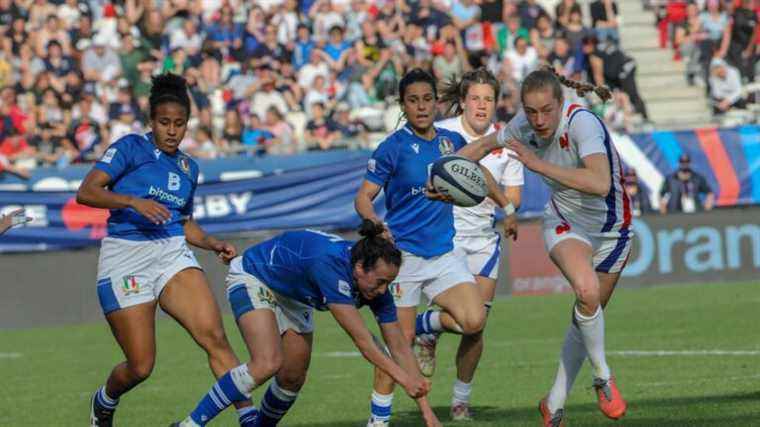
(135, 331)
(296, 349)
(573, 258)
(465, 304)
(188, 299)
(487, 288)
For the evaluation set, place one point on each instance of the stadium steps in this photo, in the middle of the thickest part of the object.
(672, 104)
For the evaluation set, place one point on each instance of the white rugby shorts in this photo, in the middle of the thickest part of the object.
(610, 253)
(135, 272)
(481, 253)
(246, 292)
(430, 276)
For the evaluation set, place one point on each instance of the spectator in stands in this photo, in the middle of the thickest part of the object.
(232, 131)
(315, 66)
(56, 62)
(611, 66)
(688, 37)
(187, 38)
(562, 58)
(337, 49)
(714, 22)
(529, 11)
(270, 50)
(604, 20)
(226, 35)
(256, 137)
(464, 13)
(321, 133)
(253, 34)
(543, 37)
(302, 47)
(725, 87)
(523, 59)
(352, 131)
(507, 34)
(563, 10)
(742, 33)
(266, 94)
(685, 190)
(575, 31)
(100, 62)
(640, 203)
(283, 140)
(324, 16)
(449, 65)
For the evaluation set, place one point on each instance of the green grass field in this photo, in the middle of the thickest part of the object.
(48, 374)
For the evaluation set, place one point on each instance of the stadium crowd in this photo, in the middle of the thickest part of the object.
(719, 41)
(275, 76)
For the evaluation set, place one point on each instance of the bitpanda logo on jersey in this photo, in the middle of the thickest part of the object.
(445, 146)
(163, 196)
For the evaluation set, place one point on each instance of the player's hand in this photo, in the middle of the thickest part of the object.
(224, 251)
(523, 154)
(14, 218)
(433, 194)
(510, 226)
(417, 387)
(155, 212)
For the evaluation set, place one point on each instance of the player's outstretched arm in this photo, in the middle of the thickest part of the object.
(195, 235)
(480, 148)
(364, 207)
(349, 319)
(92, 192)
(402, 353)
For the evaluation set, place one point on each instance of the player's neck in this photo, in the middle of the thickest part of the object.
(427, 134)
(471, 132)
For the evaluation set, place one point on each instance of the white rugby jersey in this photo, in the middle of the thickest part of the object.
(580, 133)
(478, 220)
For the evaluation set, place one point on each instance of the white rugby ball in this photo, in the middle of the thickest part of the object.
(461, 179)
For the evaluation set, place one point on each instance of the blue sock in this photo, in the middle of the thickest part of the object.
(247, 416)
(105, 401)
(275, 404)
(221, 395)
(428, 322)
(380, 409)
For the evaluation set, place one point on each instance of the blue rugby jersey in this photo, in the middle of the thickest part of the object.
(313, 268)
(138, 168)
(400, 165)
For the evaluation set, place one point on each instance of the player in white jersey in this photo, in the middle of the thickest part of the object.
(586, 222)
(473, 99)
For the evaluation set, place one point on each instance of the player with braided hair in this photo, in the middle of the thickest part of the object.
(586, 222)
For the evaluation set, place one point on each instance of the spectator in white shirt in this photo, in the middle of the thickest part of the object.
(316, 66)
(725, 87)
(523, 59)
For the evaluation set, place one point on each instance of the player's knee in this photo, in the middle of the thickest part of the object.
(269, 364)
(292, 381)
(473, 322)
(587, 292)
(141, 369)
(214, 341)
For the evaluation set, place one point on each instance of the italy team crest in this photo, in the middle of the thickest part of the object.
(445, 146)
(130, 286)
(184, 164)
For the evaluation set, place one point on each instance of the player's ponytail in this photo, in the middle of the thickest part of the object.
(547, 77)
(168, 87)
(454, 92)
(373, 247)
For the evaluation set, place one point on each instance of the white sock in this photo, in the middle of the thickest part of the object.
(461, 393)
(592, 331)
(435, 321)
(381, 406)
(243, 380)
(188, 422)
(570, 362)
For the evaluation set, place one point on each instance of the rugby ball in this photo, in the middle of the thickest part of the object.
(460, 178)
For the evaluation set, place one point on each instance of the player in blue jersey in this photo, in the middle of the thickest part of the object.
(274, 288)
(422, 226)
(148, 185)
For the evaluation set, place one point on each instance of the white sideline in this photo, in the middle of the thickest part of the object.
(660, 353)
(10, 355)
